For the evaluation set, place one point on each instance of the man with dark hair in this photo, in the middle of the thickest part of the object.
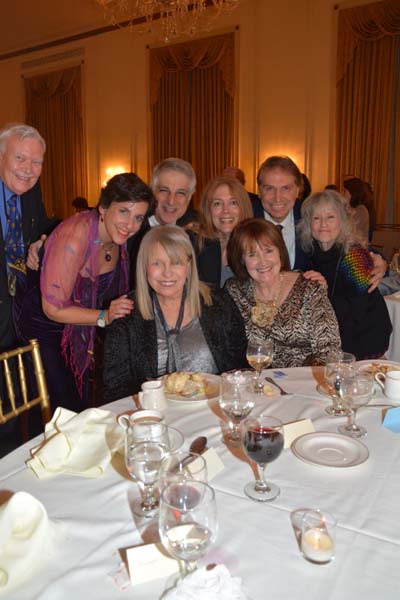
(279, 183)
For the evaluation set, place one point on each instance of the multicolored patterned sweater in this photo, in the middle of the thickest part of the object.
(356, 266)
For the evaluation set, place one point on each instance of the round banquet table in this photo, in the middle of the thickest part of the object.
(255, 541)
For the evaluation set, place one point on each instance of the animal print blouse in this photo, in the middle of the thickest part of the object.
(304, 326)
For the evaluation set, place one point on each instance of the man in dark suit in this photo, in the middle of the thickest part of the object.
(22, 221)
(279, 182)
(21, 158)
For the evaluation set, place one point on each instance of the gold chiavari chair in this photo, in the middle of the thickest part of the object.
(18, 391)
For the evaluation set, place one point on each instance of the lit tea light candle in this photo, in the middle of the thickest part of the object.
(317, 545)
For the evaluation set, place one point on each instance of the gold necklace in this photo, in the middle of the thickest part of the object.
(263, 313)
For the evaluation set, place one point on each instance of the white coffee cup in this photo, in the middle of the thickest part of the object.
(152, 395)
(390, 383)
(150, 416)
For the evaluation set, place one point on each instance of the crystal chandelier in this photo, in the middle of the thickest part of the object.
(178, 18)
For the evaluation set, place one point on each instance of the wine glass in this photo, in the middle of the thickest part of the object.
(236, 401)
(262, 440)
(143, 461)
(180, 466)
(356, 392)
(339, 365)
(259, 356)
(188, 521)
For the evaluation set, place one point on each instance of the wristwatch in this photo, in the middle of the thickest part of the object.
(101, 321)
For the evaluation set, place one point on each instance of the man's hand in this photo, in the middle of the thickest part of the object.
(378, 272)
(33, 253)
(316, 276)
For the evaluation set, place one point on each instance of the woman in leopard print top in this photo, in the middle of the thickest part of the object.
(277, 303)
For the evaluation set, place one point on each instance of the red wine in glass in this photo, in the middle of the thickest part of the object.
(262, 441)
(263, 445)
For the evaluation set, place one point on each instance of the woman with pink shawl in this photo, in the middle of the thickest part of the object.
(84, 285)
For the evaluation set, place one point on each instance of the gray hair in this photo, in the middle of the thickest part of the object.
(347, 237)
(176, 243)
(21, 131)
(175, 164)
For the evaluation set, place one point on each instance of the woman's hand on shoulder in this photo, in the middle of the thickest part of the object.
(378, 272)
(120, 307)
(316, 276)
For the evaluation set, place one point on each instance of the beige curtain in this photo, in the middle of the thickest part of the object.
(366, 68)
(54, 107)
(191, 97)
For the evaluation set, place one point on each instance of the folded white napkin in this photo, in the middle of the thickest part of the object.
(77, 444)
(26, 538)
(215, 584)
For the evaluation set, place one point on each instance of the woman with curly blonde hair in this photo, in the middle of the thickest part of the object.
(336, 250)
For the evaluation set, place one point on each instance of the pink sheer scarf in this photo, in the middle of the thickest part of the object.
(70, 277)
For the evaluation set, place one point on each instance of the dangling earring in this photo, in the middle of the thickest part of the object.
(101, 219)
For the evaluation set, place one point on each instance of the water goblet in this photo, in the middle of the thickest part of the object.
(356, 392)
(188, 521)
(262, 440)
(143, 461)
(339, 365)
(259, 356)
(180, 466)
(236, 401)
(155, 431)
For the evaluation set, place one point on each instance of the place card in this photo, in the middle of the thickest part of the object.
(149, 562)
(213, 462)
(293, 430)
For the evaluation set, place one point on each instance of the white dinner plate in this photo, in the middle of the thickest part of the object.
(374, 366)
(330, 450)
(211, 393)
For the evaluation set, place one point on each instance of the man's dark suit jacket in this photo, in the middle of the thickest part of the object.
(301, 262)
(34, 223)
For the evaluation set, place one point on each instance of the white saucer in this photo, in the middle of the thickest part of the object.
(323, 388)
(329, 450)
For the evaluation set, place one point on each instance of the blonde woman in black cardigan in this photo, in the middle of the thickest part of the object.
(178, 324)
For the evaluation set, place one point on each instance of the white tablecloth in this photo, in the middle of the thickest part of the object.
(255, 541)
(393, 305)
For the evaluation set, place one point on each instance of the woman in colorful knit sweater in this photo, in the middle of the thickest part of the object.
(335, 251)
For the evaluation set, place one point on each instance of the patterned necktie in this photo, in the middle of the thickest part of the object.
(15, 254)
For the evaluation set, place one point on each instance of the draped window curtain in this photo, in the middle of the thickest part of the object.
(192, 102)
(54, 107)
(368, 103)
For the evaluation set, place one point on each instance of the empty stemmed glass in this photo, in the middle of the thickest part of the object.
(259, 356)
(356, 392)
(236, 401)
(188, 521)
(182, 465)
(339, 366)
(262, 440)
